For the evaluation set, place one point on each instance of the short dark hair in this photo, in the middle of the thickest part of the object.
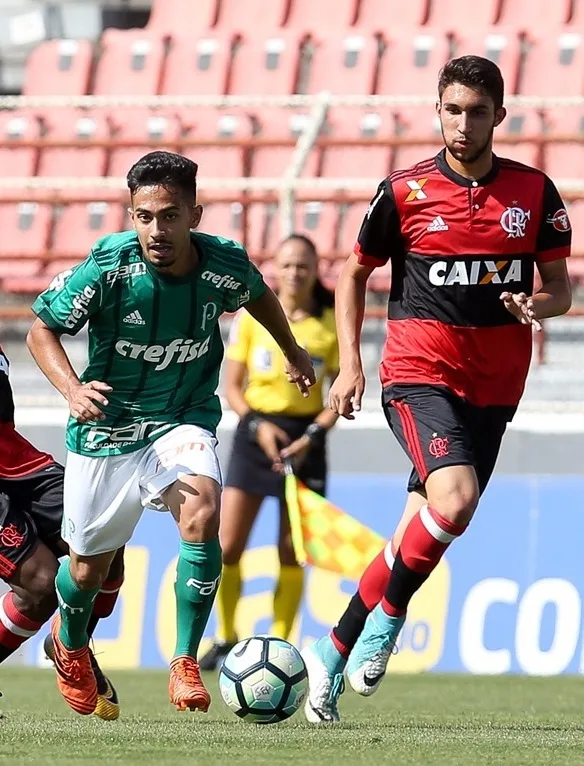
(321, 295)
(475, 72)
(164, 169)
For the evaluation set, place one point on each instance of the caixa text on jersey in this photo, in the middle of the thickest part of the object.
(475, 272)
(180, 351)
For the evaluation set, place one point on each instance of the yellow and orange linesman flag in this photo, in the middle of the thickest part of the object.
(325, 536)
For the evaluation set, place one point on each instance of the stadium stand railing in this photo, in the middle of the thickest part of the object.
(293, 156)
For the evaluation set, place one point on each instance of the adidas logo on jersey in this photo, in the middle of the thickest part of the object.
(134, 317)
(438, 224)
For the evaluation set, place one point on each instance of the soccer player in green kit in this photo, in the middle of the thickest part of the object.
(145, 411)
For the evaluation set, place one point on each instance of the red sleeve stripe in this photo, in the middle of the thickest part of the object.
(366, 260)
(555, 254)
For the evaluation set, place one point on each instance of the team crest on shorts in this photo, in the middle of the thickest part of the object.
(439, 446)
(10, 537)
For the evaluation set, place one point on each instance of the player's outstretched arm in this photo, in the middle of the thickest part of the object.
(268, 312)
(553, 298)
(47, 350)
(347, 390)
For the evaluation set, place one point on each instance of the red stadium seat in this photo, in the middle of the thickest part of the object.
(499, 44)
(197, 66)
(259, 217)
(554, 65)
(317, 220)
(25, 228)
(522, 123)
(344, 63)
(14, 127)
(182, 17)
(316, 16)
(388, 15)
(351, 224)
(455, 15)
(131, 62)
(218, 126)
(565, 159)
(58, 68)
(258, 16)
(410, 63)
(79, 226)
(15, 268)
(372, 161)
(266, 65)
(85, 126)
(420, 123)
(534, 14)
(286, 125)
(141, 126)
(223, 219)
(59, 265)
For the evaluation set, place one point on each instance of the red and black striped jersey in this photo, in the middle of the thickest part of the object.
(455, 245)
(17, 455)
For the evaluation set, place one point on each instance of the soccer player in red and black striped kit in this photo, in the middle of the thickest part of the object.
(31, 511)
(465, 231)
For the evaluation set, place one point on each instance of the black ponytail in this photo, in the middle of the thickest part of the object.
(323, 297)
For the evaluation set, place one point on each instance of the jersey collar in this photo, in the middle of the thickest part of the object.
(456, 178)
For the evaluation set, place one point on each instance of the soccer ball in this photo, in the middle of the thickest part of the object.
(263, 679)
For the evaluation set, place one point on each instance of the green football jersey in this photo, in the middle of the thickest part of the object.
(154, 339)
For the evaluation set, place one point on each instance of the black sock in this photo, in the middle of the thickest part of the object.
(349, 627)
(5, 653)
(403, 583)
(93, 620)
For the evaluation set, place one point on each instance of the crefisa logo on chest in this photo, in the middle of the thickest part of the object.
(514, 221)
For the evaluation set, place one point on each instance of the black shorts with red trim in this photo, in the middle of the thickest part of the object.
(437, 428)
(31, 509)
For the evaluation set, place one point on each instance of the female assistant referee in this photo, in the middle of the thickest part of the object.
(276, 424)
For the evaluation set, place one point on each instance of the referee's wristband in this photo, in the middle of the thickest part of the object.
(316, 434)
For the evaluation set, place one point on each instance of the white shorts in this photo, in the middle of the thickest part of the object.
(104, 496)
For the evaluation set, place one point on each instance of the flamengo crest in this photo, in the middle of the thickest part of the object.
(514, 220)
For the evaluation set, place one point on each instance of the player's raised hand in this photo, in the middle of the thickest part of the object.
(522, 307)
(299, 370)
(346, 392)
(83, 399)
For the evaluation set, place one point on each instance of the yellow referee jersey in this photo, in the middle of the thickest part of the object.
(267, 388)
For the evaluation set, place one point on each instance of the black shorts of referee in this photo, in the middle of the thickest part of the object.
(250, 469)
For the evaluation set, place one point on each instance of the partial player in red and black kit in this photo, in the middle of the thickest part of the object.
(465, 231)
(31, 510)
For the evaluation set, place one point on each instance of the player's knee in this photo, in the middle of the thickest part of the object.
(454, 494)
(230, 552)
(87, 575)
(202, 523)
(458, 506)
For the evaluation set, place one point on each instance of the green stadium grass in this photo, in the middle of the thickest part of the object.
(428, 720)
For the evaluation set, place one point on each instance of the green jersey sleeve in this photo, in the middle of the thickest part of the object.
(71, 298)
(251, 288)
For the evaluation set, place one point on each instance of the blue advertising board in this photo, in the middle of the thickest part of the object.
(507, 597)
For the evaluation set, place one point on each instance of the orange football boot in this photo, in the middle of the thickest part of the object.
(75, 677)
(186, 689)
